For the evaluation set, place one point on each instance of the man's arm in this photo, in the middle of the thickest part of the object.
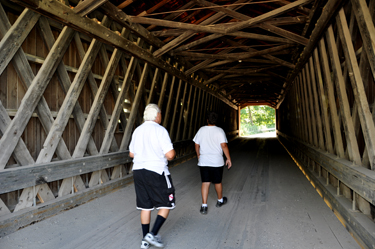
(197, 150)
(170, 154)
(225, 148)
(131, 154)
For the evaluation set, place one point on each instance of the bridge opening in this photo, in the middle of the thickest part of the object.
(257, 121)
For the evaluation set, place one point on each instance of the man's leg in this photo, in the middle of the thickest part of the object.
(205, 188)
(145, 221)
(219, 190)
(160, 219)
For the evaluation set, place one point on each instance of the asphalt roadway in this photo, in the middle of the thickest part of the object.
(270, 205)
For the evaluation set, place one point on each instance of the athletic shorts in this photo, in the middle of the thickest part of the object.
(211, 174)
(153, 190)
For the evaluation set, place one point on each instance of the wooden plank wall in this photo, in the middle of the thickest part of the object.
(69, 103)
(327, 119)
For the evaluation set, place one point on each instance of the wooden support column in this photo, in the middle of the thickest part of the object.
(311, 105)
(186, 119)
(323, 100)
(331, 100)
(351, 139)
(367, 29)
(135, 106)
(364, 112)
(198, 113)
(182, 110)
(202, 118)
(32, 96)
(65, 83)
(24, 71)
(191, 120)
(109, 135)
(97, 104)
(64, 80)
(303, 119)
(318, 119)
(153, 86)
(171, 131)
(94, 87)
(66, 108)
(169, 104)
(306, 98)
(12, 40)
(163, 88)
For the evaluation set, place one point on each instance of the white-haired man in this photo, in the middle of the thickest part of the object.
(151, 148)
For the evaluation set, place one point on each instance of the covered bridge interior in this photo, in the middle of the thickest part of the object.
(75, 77)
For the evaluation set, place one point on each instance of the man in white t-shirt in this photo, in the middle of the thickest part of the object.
(151, 148)
(210, 143)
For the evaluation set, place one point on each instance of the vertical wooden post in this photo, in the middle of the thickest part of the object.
(351, 140)
(169, 104)
(331, 100)
(185, 131)
(163, 88)
(153, 85)
(178, 135)
(191, 121)
(171, 132)
(135, 105)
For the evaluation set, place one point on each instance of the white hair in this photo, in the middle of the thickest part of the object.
(151, 112)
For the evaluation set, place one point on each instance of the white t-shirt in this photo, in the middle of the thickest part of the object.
(209, 139)
(150, 142)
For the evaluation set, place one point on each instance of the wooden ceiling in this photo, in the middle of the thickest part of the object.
(244, 49)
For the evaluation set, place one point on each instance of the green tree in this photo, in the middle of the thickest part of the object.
(256, 118)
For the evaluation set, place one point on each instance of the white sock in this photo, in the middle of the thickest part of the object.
(204, 205)
(221, 200)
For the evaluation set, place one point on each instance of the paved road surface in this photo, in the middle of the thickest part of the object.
(271, 205)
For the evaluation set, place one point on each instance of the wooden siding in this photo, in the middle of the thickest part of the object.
(69, 104)
(327, 118)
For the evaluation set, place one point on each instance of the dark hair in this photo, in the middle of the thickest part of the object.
(212, 118)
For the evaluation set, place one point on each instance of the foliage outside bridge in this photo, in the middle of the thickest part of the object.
(256, 119)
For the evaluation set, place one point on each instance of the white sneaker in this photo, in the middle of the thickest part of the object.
(154, 240)
(145, 245)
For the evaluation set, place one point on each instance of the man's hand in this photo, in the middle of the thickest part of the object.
(228, 163)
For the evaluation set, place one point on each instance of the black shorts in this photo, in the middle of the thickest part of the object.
(211, 174)
(152, 190)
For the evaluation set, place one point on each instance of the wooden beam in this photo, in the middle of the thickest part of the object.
(267, 15)
(109, 134)
(329, 89)
(323, 103)
(367, 29)
(96, 106)
(18, 178)
(263, 25)
(62, 13)
(364, 112)
(267, 56)
(94, 87)
(180, 25)
(329, 11)
(169, 104)
(135, 106)
(13, 39)
(153, 86)
(68, 104)
(32, 96)
(88, 6)
(177, 103)
(237, 56)
(166, 48)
